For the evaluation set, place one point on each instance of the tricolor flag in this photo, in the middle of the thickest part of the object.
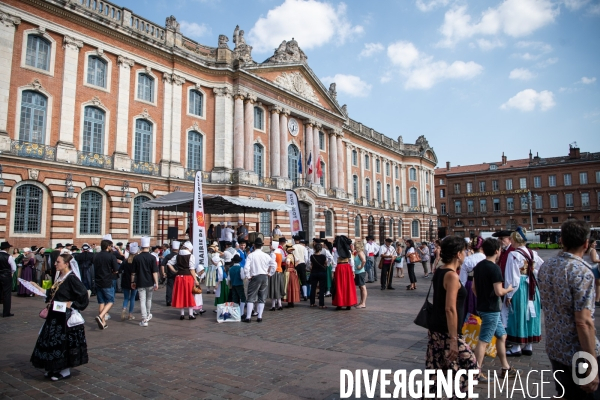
(309, 165)
(319, 169)
(300, 163)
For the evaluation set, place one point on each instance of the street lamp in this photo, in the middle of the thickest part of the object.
(1, 180)
(528, 200)
(125, 195)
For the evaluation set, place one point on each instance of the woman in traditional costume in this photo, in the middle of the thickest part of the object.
(293, 283)
(466, 275)
(521, 309)
(27, 272)
(211, 269)
(277, 280)
(60, 347)
(343, 278)
(184, 266)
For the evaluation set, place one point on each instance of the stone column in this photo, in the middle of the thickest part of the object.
(175, 135)
(274, 145)
(340, 163)
(361, 175)
(403, 180)
(283, 143)
(8, 25)
(349, 183)
(122, 161)
(308, 141)
(223, 154)
(249, 132)
(333, 161)
(316, 151)
(65, 149)
(393, 172)
(373, 177)
(238, 131)
(167, 124)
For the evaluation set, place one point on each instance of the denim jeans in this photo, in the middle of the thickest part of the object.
(369, 268)
(146, 301)
(129, 298)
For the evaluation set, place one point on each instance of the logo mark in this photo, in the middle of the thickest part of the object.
(582, 363)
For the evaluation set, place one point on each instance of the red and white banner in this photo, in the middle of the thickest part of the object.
(199, 227)
(291, 199)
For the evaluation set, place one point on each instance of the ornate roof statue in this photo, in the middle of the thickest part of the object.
(288, 52)
(296, 83)
(241, 51)
(332, 91)
(422, 142)
(223, 42)
(172, 24)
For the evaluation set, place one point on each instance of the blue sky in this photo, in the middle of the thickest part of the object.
(475, 77)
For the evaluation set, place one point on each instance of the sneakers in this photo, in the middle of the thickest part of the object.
(511, 372)
(107, 317)
(123, 314)
(144, 323)
(149, 317)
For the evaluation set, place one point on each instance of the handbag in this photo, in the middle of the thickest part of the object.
(196, 289)
(426, 311)
(398, 259)
(75, 319)
(413, 257)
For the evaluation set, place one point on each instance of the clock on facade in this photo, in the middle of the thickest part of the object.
(293, 127)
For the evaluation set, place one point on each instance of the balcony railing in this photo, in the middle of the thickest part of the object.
(33, 150)
(94, 160)
(146, 168)
(267, 182)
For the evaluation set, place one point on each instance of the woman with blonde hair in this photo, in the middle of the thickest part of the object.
(359, 271)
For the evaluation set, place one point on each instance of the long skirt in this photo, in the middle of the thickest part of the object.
(223, 296)
(58, 346)
(293, 286)
(522, 327)
(211, 276)
(470, 301)
(329, 273)
(182, 292)
(437, 347)
(26, 274)
(277, 286)
(199, 302)
(345, 289)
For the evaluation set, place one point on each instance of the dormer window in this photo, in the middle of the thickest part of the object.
(493, 167)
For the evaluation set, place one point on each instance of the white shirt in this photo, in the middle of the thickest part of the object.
(335, 260)
(11, 262)
(228, 234)
(469, 265)
(328, 255)
(386, 250)
(299, 253)
(371, 248)
(259, 263)
(191, 263)
(512, 273)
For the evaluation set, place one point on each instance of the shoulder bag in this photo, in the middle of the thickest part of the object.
(426, 311)
(45, 310)
(413, 257)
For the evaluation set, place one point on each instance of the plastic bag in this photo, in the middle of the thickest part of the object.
(228, 312)
(470, 331)
(47, 284)
(75, 319)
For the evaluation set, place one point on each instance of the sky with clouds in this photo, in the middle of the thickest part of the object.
(477, 78)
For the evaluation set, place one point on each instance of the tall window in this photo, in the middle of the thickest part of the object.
(321, 141)
(538, 202)
(28, 209)
(259, 118)
(379, 191)
(510, 204)
(470, 207)
(522, 183)
(553, 201)
(583, 178)
(328, 223)
(96, 72)
(585, 199)
(524, 203)
(258, 160)
(388, 193)
(457, 206)
(357, 226)
(371, 226)
(569, 199)
(427, 177)
(141, 217)
(90, 213)
(354, 158)
(495, 186)
(38, 52)
(400, 228)
(567, 179)
(509, 184)
(195, 150)
(397, 195)
(355, 186)
(396, 172)
(552, 180)
(597, 176)
(293, 154)
(412, 174)
(145, 88)
(427, 198)
(387, 169)
(537, 182)
(442, 193)
(265, 223)
(415, 229)
(196, 103)
(391, 226)
(457, 188)
(322, 179)
(33, 117)
(482, 186)
(143, 141)
(469, 187)
(377, 165)
(443, 208)
(368, 189)
(483, 205)
(496, 205)
(93, 130)
(413, 197)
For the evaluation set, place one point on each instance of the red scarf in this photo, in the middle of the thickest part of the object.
(504, 257)
(532, 281)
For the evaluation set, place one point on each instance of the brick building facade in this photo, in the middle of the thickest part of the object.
(101, 110)
(533, 192)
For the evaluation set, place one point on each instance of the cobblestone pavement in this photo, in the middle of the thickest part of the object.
(294, 353)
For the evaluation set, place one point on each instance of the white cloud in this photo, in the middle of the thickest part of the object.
(487, 45)
(428, 6)
(529, 99)
(370, 49)
(594, 9)
(574, 5)
(422, 72)
(546, 63)
(514, 18)
(534, 50)
(349, 84)
(521, 73)
(310, 22)
(588, 81)
(194, 30)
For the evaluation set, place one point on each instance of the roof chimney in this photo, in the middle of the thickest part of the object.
(447, 165)
(574, 151)
(530, 155)
(503, 159)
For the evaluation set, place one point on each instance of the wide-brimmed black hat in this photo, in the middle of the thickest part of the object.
(59, 246)
(388, 240)
(317, 240)
(5, 245)
(258, 242)
(500, 234)
(370, 237)
(236, 258)
(297, 237)
(282, 240)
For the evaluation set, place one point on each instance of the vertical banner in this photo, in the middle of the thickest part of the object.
(199, 228)
(295, 220)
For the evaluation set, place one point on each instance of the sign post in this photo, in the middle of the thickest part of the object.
(295, 220)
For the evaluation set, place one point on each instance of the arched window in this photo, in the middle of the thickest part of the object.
(141, 217)
(413, 197)
(371, 226)
(28, 209)
(387, 169)
(367, 162)
(368, 189)
(258, 160)
(354, 157)
(328, 223)
(33, 117)
(322, 179)
(388, 193)
(90, 213)
(38, 52)
(143, 141)
(381, 230)
(391, 227)
(379, 191)
(321, 141)
(355, 186)
(400, 228)
(259, 118)
(196, 102)
(415, 229)
(293, 154)
(195, 151)
(357, 226)
(412, 174)
(397, 195)
(146, 88)
(93, 130)
(96, 73)
(377, 165)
